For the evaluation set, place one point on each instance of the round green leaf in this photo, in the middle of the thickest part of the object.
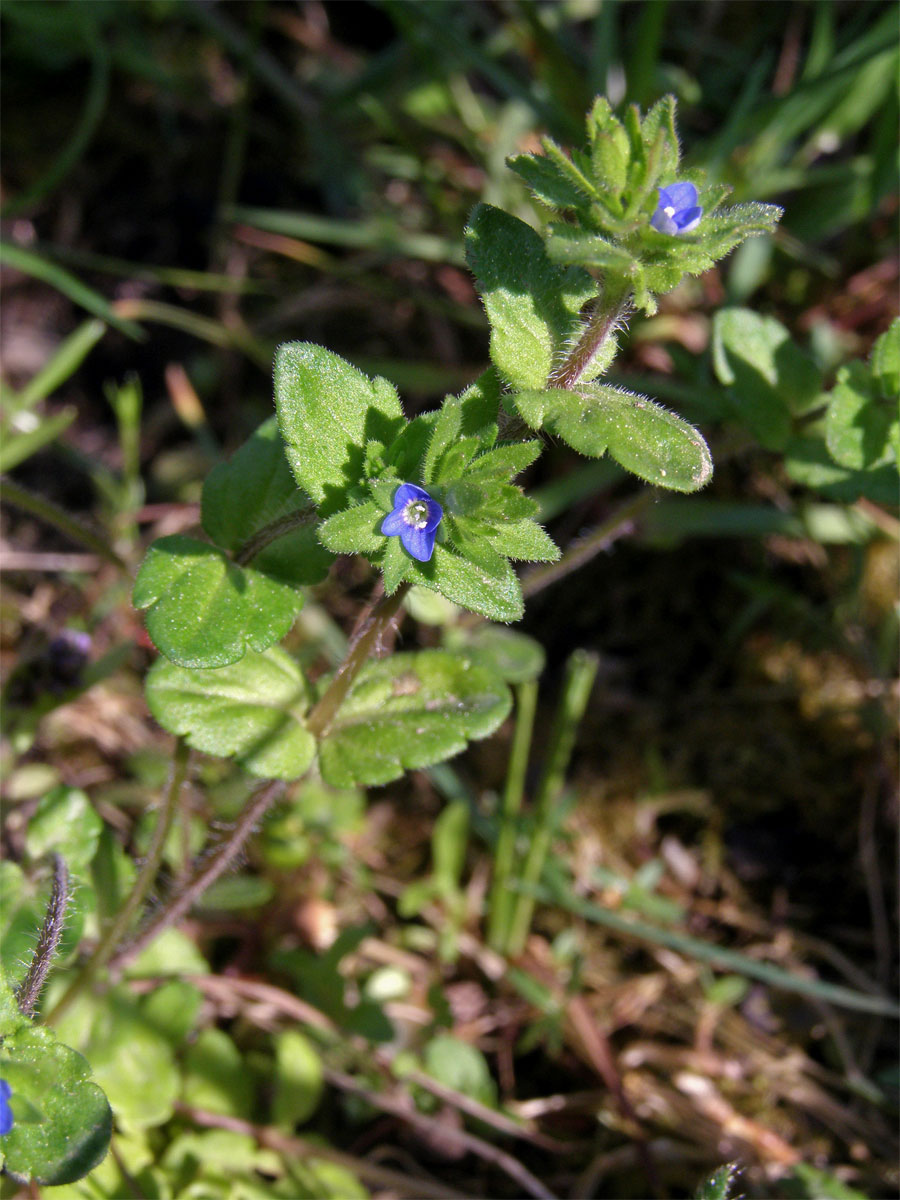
(251, 710)
(299, 1080)
(409, 711)
(62, 1120)
(203, 610)
(65, 823)
(860, 427)
(515, 657)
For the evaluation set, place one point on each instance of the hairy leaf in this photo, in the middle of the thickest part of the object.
(410, 711)
(327, 411)
(205, 611)
(531, 303)
(251, 710)
(63, 1121)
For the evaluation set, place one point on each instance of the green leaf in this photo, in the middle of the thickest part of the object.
(64, 822)
(504, 461)
(815, 1184)
(355, 530)
(515, 657)
(532, 304)
(525, 541)
(571, 245)
(410, 711)
(205, 611)
(547, 181)
(769, 377)
(449, 841)
(256, 489)
(645, 438)
(215, 1076)
(718, 1186)
(327, 411)
(861, 428)
(460, 1066)
(497, 597)
(885, 361)
(807, 461)
(62, 1119)
(252, 710)
(298, 1080)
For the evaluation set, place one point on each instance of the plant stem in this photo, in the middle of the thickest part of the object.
(179, 904)
(501, 898)
(117, 929)
(611, 307)
(580, 671)
(617, 525)
(319, 720)
(271, 532)
(29, 991)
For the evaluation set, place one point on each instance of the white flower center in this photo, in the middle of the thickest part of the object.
(416, 514)
(669, 210)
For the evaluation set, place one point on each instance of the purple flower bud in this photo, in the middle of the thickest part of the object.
(414, 518)
(677, 210)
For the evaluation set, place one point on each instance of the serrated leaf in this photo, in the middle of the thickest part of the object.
(860, 427)
(410, 711)
(355, 530)
(769, 377)
(203, 610)
(505, 461)
(532, 304)
(525, 541)
(471, 539)
(447, 429)
(547, 181)
(660, 139)
(570, 245)
(498, 597)
(251, 710)
(68, 1125)
(514, 656)
(327, 411)
(885, 361)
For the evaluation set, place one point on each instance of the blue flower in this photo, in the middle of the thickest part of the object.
(677, 211)
(6, 1117)
(415, 517)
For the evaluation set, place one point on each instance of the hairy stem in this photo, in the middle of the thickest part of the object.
(208, 873)
(29, 991)
(610, 309)
(319, 720)
(117, 929)
(271, 532)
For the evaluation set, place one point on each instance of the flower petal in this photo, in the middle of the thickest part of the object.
(435, 516)
(393, 523)
(678, 196)
(418, 542)
(688, 220)
(406, 492)
(663, 222)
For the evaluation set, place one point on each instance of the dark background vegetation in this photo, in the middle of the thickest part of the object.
(230, 176)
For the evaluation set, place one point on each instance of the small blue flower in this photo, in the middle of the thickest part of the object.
(415, 517)
(677, 211)
(6, 1117)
